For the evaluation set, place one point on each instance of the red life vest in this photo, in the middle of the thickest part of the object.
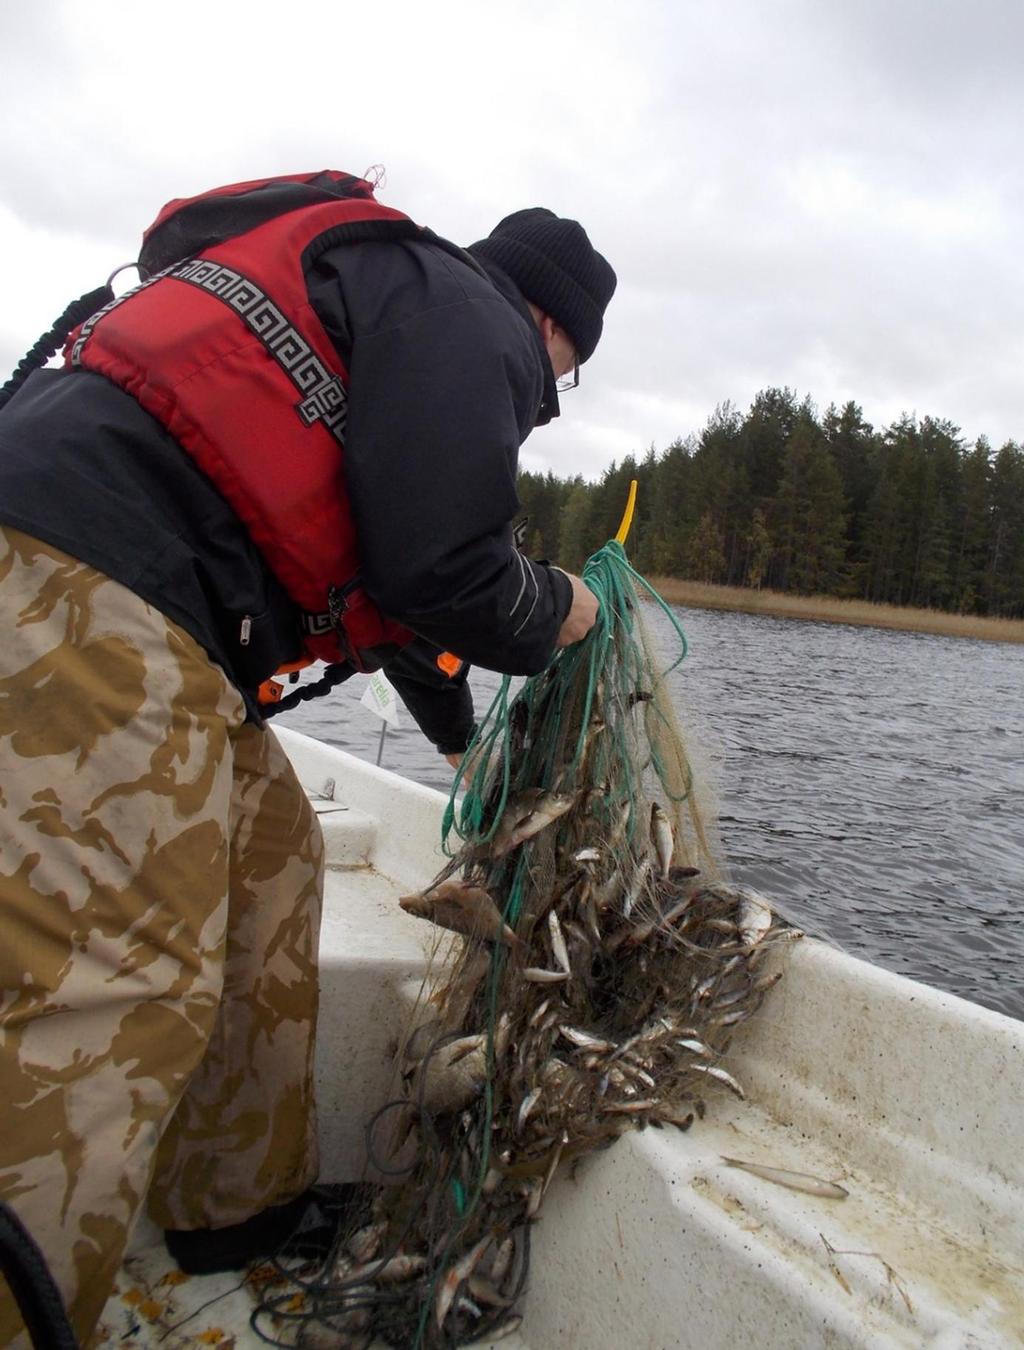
(224, 349)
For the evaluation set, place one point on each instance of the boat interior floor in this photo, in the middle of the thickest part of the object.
(907, 1099)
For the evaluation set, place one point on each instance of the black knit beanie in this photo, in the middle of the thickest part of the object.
(555, 266)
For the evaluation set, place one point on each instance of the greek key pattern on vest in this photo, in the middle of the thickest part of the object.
(324, 397)
(93, 319)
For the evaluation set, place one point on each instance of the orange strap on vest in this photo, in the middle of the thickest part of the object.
(270, 691)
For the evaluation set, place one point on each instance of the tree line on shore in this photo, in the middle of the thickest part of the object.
(784, 499)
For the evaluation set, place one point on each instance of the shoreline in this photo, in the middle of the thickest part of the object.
(830, 609)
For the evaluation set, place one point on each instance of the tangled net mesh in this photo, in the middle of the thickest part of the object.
(600, 970)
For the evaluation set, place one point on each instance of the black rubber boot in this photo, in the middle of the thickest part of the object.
(303, 1227)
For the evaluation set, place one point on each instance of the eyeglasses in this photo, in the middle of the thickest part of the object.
(571, 379)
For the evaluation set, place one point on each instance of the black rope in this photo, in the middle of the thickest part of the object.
(333, 676)
(51, 342)
(33, 1287)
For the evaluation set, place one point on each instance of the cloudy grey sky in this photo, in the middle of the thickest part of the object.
(824, 194)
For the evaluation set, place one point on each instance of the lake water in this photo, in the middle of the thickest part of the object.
(870, 782)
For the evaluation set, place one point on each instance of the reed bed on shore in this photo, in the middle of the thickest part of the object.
(830, 609)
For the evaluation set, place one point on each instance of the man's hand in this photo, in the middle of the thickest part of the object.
(582, 615)
(472, 765)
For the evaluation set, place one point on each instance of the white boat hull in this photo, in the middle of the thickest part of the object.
(911, 1099)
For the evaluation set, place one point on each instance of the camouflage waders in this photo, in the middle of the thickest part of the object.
(160, 883)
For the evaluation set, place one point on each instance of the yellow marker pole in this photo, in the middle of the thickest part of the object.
(627, 515)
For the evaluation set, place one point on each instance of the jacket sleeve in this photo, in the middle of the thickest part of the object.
(445, 383)
(441, 704)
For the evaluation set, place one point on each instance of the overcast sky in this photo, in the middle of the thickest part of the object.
(824, 194)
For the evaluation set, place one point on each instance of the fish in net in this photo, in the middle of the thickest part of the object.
(600, 968)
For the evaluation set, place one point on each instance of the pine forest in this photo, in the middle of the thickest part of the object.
(789, 501)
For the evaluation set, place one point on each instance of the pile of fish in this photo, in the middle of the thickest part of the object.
(614, 998)
(599, 972)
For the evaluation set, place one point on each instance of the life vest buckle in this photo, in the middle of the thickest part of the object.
(338, 605)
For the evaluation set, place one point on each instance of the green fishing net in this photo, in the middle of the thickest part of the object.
(599, 717)
(590, 972)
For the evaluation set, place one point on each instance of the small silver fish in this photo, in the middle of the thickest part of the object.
(731, 997)
(459, 1272)
(537, 976)
(620, 822)
(502, 1035)
(592, 733)
(639, 1073)
(713, 1071)
(796, 1181)
(502, 1262)
(661, 834)
(640, 879)
(605, 893)
(401, 1266)
(670, 915)
(526, 1106)
(589, 908)
(633, 1108)
(365, 1244)
(704, 988)
(558, 946)
(554, 1071)
(584, 1039)
(627, 1045)
(484, 1292)
(587, 855)
(720, 925)
(555, 1158)
(526, 814)
(753, 916)
(730, 1019)
(696, 1047)
(534, 1195)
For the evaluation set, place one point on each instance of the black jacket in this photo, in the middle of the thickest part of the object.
(448, 377)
